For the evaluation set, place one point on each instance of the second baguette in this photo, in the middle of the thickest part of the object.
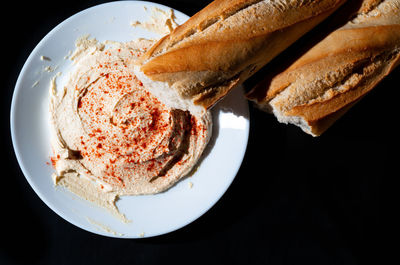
(328, 79)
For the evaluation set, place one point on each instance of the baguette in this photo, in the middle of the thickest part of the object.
(328, 79)
(224, 44)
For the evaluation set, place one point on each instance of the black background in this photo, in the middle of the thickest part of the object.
(296, 199)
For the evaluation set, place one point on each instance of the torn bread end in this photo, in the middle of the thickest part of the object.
(168, 95)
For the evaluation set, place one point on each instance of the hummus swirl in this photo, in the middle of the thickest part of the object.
(109, 129)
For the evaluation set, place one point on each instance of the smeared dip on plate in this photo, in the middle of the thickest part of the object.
(111, 136)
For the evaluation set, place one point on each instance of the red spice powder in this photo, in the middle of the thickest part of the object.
(124, 139)
(54, 160)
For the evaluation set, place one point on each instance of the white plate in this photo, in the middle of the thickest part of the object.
(151, 215)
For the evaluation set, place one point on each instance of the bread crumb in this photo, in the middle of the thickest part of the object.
(190, 184)
(45, 58)
(66, 57)
(141, 234)
(101, 227)
(48, 69)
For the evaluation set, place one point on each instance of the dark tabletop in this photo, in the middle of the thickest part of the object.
(296, 199)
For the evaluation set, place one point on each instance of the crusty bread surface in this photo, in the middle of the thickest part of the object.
(225, 43)
(323, 83)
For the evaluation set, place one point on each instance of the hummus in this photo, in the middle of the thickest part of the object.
(111, 136)
(161, 22)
